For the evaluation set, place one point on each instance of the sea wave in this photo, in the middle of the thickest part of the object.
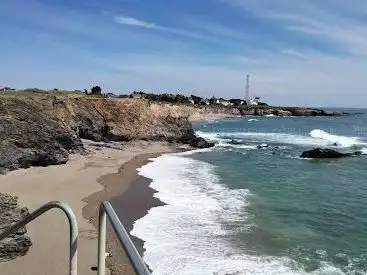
(258, 137)
(191, 234)
(341, 141)
(316, 137)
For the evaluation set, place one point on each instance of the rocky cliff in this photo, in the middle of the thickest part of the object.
(285, 111)
(43, 130)
(16, 244)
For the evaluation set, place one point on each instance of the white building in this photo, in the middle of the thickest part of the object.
(225, 102)
(254, 101)
(136, 95)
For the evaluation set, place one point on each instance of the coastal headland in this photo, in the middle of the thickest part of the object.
(83, 150)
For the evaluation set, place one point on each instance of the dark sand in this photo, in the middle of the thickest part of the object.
(131, 197)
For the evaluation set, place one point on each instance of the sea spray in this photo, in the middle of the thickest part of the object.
(341, 141)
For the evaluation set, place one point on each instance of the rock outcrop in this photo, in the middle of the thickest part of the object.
(42, 130)
(18, 243)
(320, 153)
(198, 142)
(285, 111)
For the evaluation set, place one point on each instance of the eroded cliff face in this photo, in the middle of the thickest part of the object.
(43, 130)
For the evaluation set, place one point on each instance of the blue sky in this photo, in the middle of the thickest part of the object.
(309, 52)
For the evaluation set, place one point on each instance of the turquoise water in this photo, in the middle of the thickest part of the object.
(237, 208)
(315, 212)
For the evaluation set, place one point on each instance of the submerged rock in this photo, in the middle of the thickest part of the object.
(261, 146)
(235, 142)
(319, 153)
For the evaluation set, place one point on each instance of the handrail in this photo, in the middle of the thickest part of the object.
(73, 227)
(137, 262)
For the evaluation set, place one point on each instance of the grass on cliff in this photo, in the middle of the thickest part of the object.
(39, 92)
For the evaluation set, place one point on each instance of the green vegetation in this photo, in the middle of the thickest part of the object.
(39, 92)
(97, 92)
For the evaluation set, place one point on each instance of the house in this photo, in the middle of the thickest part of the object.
(137, 95)
(254, 101)
(225, 102)
(191, 100)
(111, 95)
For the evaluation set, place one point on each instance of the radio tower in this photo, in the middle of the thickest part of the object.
(247, 91)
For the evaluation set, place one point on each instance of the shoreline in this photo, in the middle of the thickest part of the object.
(132, 198)
(80, 178)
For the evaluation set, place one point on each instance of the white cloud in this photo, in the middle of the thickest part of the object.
(293, 52)
(339, 22)
(318, 80)
(130, 21)
(134, 22)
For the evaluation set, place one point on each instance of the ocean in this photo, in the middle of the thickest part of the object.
(237, 209)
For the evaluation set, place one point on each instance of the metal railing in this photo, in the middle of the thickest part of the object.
(73, 230)
(136, 261)
(105, 211)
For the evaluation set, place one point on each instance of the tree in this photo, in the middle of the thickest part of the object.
(96, 90)
(181, 99)
(196, 99)
(213, 100)
(236, 101)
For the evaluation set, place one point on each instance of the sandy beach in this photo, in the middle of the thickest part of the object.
(131, 201)
(83, 183)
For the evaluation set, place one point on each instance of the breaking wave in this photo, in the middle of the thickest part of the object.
(315, 138)
(191, 233)
(341, 141)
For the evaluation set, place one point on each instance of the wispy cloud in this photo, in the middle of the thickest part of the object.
(133, 22)
(276, 43)
(293, 52)
(201, 30)
(340, 23)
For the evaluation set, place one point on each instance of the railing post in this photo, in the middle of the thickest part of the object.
(102, 242)
(73, 237)
(136, 261)
(73, 230)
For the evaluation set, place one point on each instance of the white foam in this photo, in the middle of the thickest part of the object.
(281, 138)
(209, 136)
(191, 152)
(364, 151)
(252, 119)
(221, 142)
(341, 141)
(187, 235)
(315, 138)
(238, 146)
(270, 115)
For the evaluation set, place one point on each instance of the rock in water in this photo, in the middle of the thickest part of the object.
(261, 146)
(235, 142)
(195, 141)
(324, 153)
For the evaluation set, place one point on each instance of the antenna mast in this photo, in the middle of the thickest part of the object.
(247, 91)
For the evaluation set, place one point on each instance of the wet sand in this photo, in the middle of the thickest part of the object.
(82, 183)
(131, 197)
